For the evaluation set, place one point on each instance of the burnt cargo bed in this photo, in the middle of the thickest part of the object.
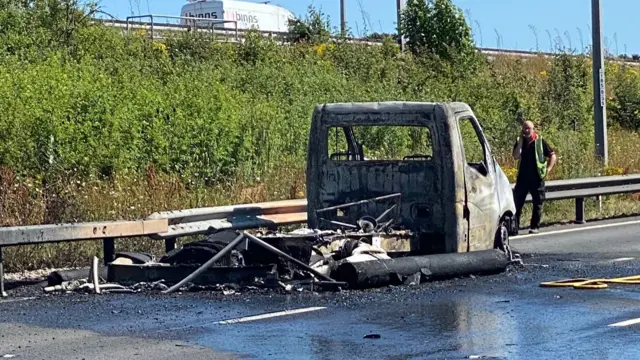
(128, 275)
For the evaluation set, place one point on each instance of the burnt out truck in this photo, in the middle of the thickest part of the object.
(421, 168)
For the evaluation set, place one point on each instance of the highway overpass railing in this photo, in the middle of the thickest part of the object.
(171, 225)
(187, 23)
(156, 29)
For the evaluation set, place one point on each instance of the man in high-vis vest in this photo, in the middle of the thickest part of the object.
(536, 159)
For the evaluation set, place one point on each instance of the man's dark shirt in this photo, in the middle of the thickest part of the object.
(528, 169)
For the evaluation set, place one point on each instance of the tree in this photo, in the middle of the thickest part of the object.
(567, 98)
(314, 29)
(436, 27)
(38, 24)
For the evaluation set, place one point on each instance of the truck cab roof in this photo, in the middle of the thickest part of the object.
(391, 107)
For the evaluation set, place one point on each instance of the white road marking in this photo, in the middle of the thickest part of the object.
(244, 319)
(609, 261)
(270, 315)
(16, 300)
(583, 228)
(627, 322)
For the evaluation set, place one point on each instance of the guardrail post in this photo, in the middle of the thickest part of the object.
(2, 293)
(580, 211)
(169, 245)
(109, 250)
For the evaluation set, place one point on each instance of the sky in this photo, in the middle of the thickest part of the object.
(504, 24)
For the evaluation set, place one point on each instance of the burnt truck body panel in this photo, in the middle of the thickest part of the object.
(448, 204)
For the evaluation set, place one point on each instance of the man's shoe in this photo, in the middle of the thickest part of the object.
(534, 231)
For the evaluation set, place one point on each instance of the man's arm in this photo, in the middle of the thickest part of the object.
(552, 162)
(549, 153)
(517, 149)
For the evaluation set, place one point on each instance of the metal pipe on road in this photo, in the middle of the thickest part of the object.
(94, 275)
(379, 273)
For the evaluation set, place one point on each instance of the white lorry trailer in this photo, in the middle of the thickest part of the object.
(248, 15)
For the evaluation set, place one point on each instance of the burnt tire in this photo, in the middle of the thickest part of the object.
(501, 239)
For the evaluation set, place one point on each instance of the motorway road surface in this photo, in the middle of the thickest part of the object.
(505, 316)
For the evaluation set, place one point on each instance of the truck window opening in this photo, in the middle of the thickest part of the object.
(380, 143)
(472, 145)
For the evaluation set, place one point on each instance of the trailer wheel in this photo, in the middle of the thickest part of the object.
(502, 235)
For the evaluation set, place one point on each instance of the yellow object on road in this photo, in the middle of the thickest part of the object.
(585, 283)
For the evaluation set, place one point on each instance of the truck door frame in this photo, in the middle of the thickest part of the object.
(481, 203)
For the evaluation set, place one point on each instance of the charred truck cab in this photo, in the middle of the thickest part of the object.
(426, 169)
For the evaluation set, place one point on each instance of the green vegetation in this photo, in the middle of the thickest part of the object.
(436, 27)
(97, 124)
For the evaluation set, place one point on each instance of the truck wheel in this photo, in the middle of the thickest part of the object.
(502, 236)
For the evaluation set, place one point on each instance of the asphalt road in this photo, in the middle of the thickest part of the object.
(505, 316)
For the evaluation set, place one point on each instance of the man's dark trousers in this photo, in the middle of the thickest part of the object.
(535, 186)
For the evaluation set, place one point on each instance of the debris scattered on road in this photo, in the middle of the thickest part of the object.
(369, 254)
(66, 286)
(94, 275)
(591, 284)
(58, 277)
(85, 286)
(156, 285)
